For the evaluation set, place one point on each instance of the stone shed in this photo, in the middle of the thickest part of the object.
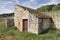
(31, 20)
(9, 22)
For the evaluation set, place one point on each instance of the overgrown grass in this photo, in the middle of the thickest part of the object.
(14, 34)
(52, 12)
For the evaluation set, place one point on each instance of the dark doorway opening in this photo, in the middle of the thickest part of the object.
(25, 25)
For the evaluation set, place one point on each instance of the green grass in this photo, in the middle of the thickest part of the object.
(53, 12)
(14, 34)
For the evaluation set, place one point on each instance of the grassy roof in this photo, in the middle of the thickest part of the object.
(35, 12)
(52, 12)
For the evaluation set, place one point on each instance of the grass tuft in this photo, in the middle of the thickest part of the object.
(13, 34)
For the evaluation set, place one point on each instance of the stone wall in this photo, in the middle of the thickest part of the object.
(19, 15)
(56, 19)
(33, 23)
(44, 24)
(9, 22)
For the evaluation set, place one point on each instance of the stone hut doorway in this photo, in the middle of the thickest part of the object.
(25, 25)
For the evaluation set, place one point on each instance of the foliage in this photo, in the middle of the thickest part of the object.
(52, 12)
(57, 7)
(48, 8)
(6, 15)
(52, 34)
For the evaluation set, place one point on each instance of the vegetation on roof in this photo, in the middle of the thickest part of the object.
(52, 12)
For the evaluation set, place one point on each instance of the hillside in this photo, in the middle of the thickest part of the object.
(7, 15)
(48, 8)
